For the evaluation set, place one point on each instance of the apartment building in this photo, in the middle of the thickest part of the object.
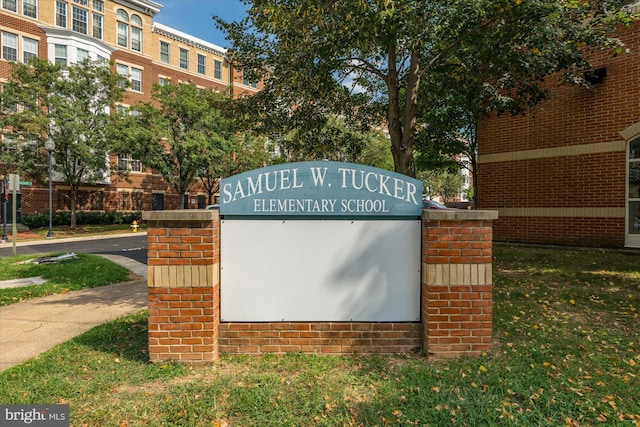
(124, 32)
(568, 173)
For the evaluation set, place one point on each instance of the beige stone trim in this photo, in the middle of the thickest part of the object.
(459, 215)
(183, 276)
(543, 153)
(631, 131)
(563, 212)
(456, 274)
(182, 215)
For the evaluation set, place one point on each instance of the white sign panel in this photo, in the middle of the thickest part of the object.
(320, 270)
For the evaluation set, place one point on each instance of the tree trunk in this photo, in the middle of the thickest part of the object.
(402, 137)
(72, 204)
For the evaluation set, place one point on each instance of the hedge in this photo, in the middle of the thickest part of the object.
(39, 220)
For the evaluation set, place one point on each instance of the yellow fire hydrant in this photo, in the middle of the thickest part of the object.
(134, 226)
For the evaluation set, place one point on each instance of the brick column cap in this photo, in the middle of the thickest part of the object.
(182, 215)
(458, 215)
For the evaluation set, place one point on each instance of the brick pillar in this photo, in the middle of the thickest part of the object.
(183, 285)
(457, 298)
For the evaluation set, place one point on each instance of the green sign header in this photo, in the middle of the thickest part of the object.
(321, 189)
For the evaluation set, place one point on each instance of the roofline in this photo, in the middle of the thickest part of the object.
(188, 39)
(147, 7)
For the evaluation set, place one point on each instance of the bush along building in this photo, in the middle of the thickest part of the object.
(568, 173)
(124, 32)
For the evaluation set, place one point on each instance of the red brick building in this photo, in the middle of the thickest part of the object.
(568, 173)
(123, 31)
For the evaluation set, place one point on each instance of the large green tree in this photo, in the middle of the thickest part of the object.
(70, 105)
(307, 50)
(182, 133)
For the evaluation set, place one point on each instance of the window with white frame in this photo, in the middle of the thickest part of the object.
(123, 70)
(123, 162)
(97, 26)
(163, 81)
(202, 64)
(30, 8)
(79, 20)
(217, 69)
(122, 34)
(126, 163)
(10, 5)
(60, 55)
(83, 54)
(184, 58)
(134, 75)
(122, 28)
(164, 52)
(82, 2)
(9, 143)
(136, 33)
(136, 79)
(29, 49)
(249, 83)
(9, 108)
(98, 5)
(9, 46)
(61, 14)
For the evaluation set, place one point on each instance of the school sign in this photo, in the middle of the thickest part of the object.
(321, 188)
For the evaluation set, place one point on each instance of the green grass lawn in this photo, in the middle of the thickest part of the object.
(86, 271)
(566, 353)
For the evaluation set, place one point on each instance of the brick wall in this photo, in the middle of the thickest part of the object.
(325, 337)
(183, 285)
(457, 298)
(557, 175)
(184, 289)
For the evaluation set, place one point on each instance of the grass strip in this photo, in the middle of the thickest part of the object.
(86, 271)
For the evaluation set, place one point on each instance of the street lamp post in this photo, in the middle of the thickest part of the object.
(50, 146)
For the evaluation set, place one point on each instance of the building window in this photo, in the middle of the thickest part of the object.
(61, 54)
(136, 165)
(97, 26)
(164, 52)
(123, 163)
(30, 8)
(184, 58)
(134, 75)
(10, 5)
(248, 83)
(136, 33)
(126, 163)
(217, 69)
(136, 79)
(79, 20)
(123, 37)
(9, 46)
(98, 5)
(83, 54)
(82, 2)
(123, 70)
(9, 143)
(29, 49)
(164, 81)
(201, 64)
(61, 14)
(136, 39)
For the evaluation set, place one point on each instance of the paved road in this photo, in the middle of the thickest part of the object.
(133, 246)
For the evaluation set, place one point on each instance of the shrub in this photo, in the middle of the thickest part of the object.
(39, 220)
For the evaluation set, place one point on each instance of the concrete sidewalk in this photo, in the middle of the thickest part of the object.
(34, 326)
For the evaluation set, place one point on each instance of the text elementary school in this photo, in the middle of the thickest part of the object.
(288, 190)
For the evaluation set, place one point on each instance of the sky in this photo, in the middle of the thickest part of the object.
(194, 17)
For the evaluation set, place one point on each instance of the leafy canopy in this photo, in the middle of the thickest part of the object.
(365, 60)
